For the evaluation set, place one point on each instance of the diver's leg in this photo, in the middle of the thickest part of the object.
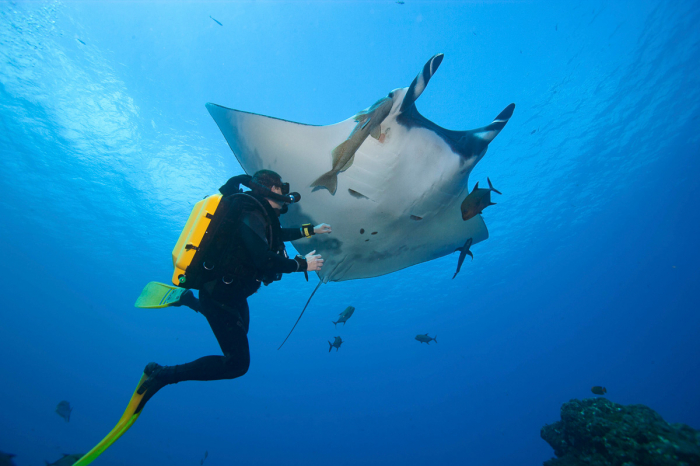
(230, 328)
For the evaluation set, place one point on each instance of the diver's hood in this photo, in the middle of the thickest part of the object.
(233, 186)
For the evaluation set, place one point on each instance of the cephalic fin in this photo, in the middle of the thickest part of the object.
(418, 85)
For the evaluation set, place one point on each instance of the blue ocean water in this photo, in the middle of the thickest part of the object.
(589, 277)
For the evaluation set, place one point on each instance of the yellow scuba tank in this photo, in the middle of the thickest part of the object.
(192, 237)
(206, 238)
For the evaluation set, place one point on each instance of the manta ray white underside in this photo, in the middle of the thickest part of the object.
(397, 201)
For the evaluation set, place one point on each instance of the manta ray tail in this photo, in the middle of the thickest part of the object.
(327, 180)
(418, 85)
(302, 313)
(492, 188)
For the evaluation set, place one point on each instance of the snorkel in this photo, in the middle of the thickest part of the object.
(285, 198)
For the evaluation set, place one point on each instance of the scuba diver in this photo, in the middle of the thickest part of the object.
(231, 244)
(246, 250)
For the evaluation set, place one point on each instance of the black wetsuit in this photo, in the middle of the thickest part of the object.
(259, 241)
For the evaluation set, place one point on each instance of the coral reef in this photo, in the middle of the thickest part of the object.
(598, 432)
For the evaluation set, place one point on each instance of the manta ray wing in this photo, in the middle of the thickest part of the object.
(297, 151)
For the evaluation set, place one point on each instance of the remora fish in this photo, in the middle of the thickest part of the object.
(463, 251)
(67, 460)
(345, 315)
(336, 344)
(63, 409)
(426, 339)
(368, 124)
(477, 200)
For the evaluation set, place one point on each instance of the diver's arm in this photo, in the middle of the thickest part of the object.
(266, 260)
(291, 234)
(306, 230)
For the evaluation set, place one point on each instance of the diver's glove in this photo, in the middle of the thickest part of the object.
(302, 265)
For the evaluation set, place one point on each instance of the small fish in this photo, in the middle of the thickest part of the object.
(336, 344)
(426, 339)
(368, 124)
(400, 3)
(80, 41)
(216, 21)
(533, 131)
(597, 390)
(63, 409)
(201, 462)
(463, 252)
(345, 315)
(6, 459)
(67, 460)
(477, 200)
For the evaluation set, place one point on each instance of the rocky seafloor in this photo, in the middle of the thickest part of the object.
(598, 432)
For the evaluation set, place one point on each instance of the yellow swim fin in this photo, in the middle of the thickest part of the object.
(156, 295)
(133, 410)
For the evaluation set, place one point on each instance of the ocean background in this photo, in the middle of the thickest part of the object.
(590, 275)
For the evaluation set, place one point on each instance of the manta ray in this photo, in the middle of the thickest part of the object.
(389, 181)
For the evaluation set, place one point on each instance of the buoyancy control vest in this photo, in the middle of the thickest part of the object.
(209, 247)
